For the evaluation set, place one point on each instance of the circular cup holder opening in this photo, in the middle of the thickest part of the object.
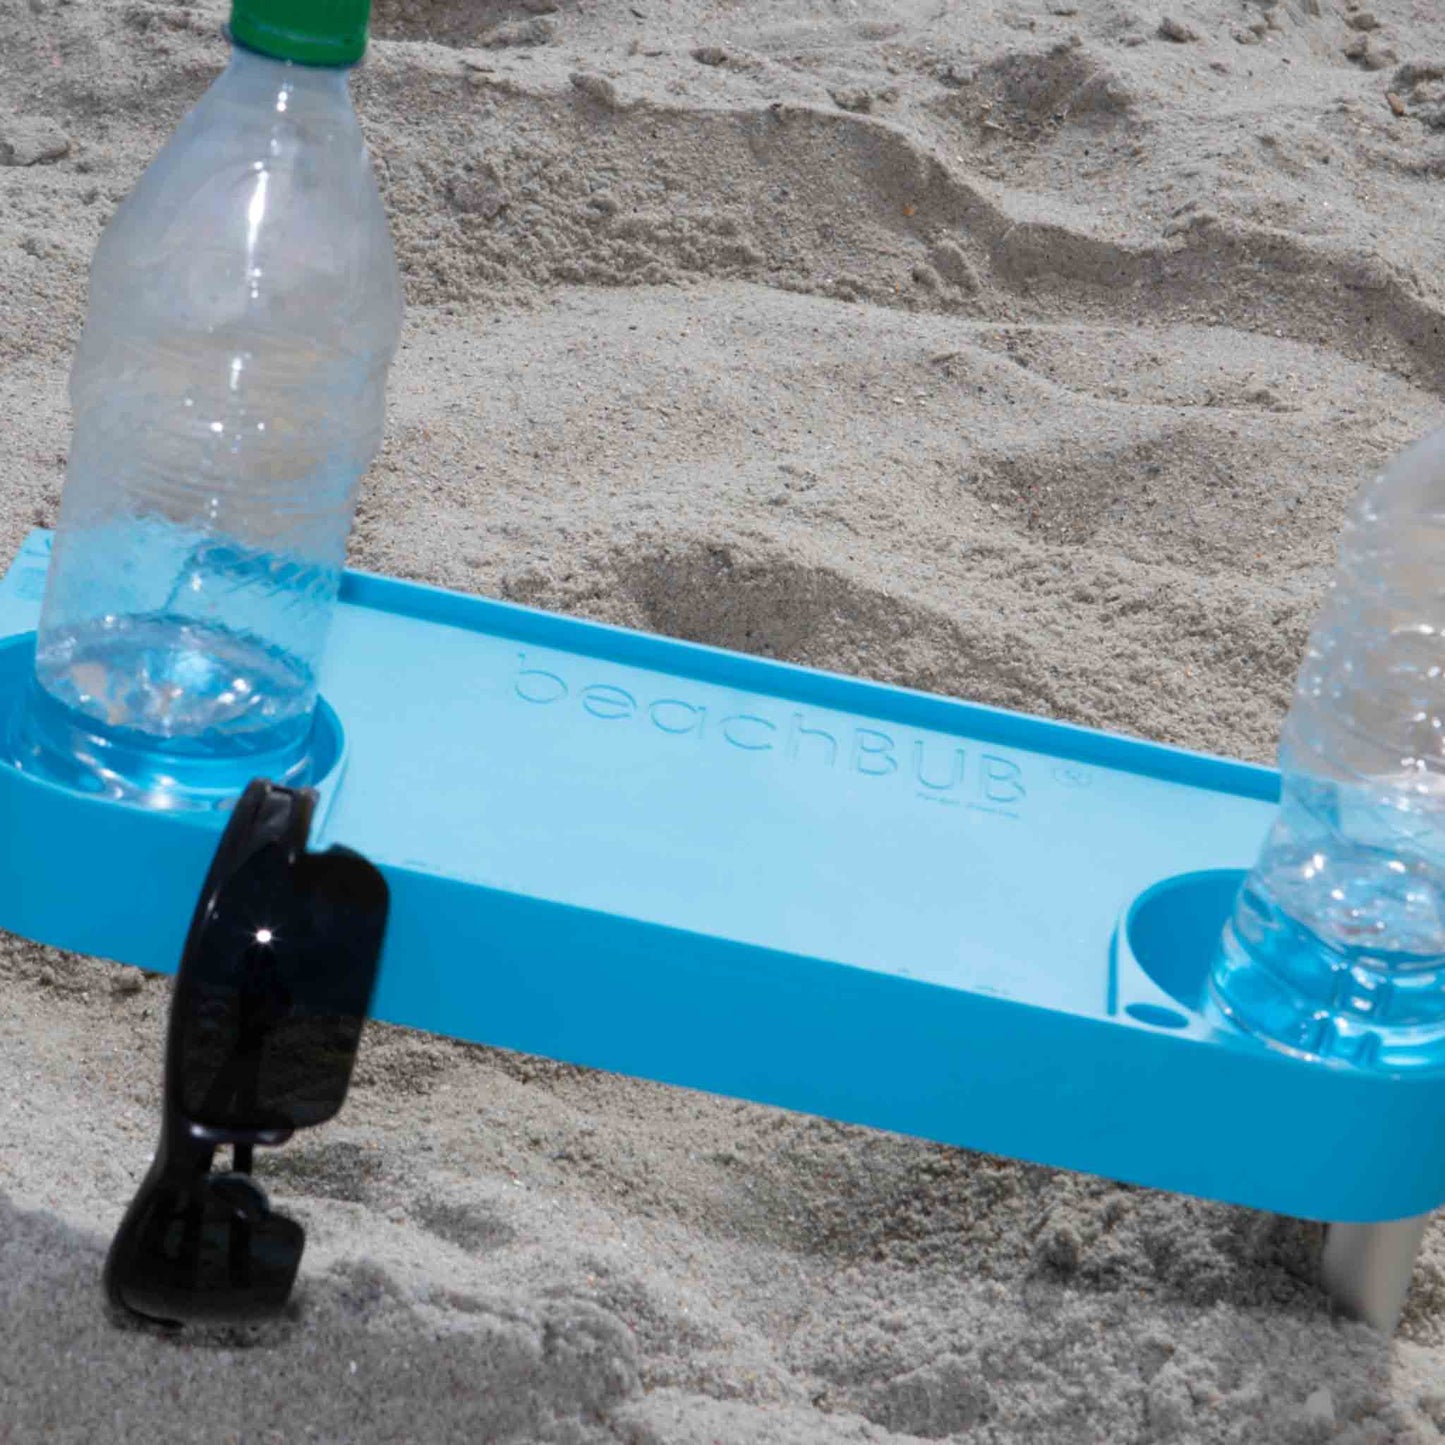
(1172, 932)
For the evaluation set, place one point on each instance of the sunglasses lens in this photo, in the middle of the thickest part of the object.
(210, 1250)
(274, 990)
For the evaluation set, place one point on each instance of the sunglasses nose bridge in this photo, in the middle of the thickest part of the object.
(204, 1135)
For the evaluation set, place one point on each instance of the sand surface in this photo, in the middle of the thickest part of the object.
(1025, 351)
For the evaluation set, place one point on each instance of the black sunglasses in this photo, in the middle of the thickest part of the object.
(270, 998)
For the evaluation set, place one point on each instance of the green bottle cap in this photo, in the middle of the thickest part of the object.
(313, 32)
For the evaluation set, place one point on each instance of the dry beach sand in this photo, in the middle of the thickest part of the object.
(1027, 351)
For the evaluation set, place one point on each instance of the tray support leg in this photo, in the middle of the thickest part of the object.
(1366, 1268)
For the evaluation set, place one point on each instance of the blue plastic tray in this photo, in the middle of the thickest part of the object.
(802, 889)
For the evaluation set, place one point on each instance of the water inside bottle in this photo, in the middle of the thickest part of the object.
(1336, 948)
(182, 704)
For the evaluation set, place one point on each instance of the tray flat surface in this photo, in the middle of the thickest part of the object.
(786, 809)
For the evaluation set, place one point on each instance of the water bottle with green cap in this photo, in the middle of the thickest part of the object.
(228, 394)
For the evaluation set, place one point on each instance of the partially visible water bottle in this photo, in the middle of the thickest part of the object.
(1337, 944)
(228, 394)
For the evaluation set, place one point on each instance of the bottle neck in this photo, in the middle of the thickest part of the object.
(291, 89)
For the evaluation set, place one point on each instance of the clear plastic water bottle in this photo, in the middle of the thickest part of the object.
(228, 394)
(1337, 944)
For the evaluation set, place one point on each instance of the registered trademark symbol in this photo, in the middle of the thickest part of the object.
(1073, 775)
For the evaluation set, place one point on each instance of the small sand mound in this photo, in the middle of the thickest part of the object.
(1042, 90)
